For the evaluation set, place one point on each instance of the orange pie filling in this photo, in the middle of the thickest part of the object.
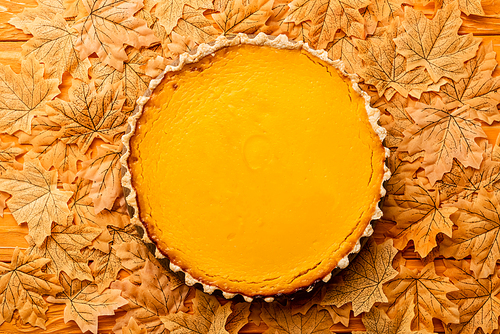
(256, 169)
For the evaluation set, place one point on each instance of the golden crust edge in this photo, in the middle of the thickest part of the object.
(203, 50)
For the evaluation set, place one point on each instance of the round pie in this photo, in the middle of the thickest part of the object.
(255, 165)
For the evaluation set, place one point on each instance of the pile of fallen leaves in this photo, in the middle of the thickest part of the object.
(60, 170)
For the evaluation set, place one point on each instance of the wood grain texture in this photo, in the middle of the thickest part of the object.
(13, 235)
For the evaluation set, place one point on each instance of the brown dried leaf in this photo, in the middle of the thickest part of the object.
(84, 304)
(45, 10)
(477, 234)
(151, 300)
(468, 7)
(89, 115)
(376, 321)
(179, 45)
(35, 199)
(427, 291)
(243, 16)
(276, 24)
(419, 217)
(209, 317)
(105, 26)
(133, 328)
(22, 286)
(280, 320)
(328, 16)
(238, 317)
(105, 267)
(53, 44)
(170, 11)
(8, 154)
(105, 171)
(435, 44)
(443, 134)
(387, 9)
(134, 81)
(343, 48)
(23, 96)
(361, 282)
(385, 68)
(395, 119)
(194, 25)
(63, 248)
(400, 171)
(339, 314)
(477, 299)
(478, 89)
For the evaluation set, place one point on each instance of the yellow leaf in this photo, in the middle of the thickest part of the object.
(170, 11)
(45, 10)
(376, 321)
(35, 199)
(243, 16)
(280, 320)
(194, 25)
(435, 44)
(23, 96)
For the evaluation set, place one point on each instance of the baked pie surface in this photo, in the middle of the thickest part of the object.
(256, 168)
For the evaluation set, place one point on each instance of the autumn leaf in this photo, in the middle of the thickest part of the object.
(468, 7)
(35, 199)
(63, 247)
(243, 16)
(419, 217)
(105, 26)
(53, 44)
(377, 322)
(45, 10)
(105, 171)
(385, 68)
(170, 11)
(478, 89)
(435, 44)
(443, 134)
(134, 81)
(24, 95)
(238, 317)
(343, 48)
(8, 154)
(276, 24)
(384, 9)
(209, 317)
(427, 291)
(151, 300)
(395, 120)
(477, 234)
(477, 299)
(361, 282)
(133, 328)
(84, 304)
(328, 16)
(105, 267)
(280, 320)
(22, 286)
(194, 25)
(89, 115)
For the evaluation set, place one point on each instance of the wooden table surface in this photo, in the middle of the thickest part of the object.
(13, 235)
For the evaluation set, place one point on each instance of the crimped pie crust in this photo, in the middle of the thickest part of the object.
(280, 42)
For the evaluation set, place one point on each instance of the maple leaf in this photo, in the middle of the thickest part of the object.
(280, 320)
(35, 199)
(343, 48)
(443, 134)
(401, 170)
(477, 299)
(238, 317)
(53, 44)
(361, 282)
(243, 16)
(105, 26)
(385, 68)
(427, 291)
(467, 6)
(477, 234)
(8, 154)
(419, 217)
(133, 328)
(84, 304)
(383, 9)
(478, 89)
(22, 285)
(105, 267)
(395, 120)
(179, 45)
(376, 321)
(89, 115)
(63, 247)
(151, 300)
(105, 171)
(45, 10)
(132, 77)
(194, 25)
(328, 16)
(24, 95)
(435, 43)
(170, 11)
(276, 24)
(209, 317)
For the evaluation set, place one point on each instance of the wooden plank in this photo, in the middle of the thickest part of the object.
(8, 9)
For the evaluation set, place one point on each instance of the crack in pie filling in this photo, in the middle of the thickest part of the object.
(255, 165)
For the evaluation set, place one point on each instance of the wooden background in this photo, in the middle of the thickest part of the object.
(12, 235)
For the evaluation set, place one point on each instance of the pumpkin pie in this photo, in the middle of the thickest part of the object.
(256, 165)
